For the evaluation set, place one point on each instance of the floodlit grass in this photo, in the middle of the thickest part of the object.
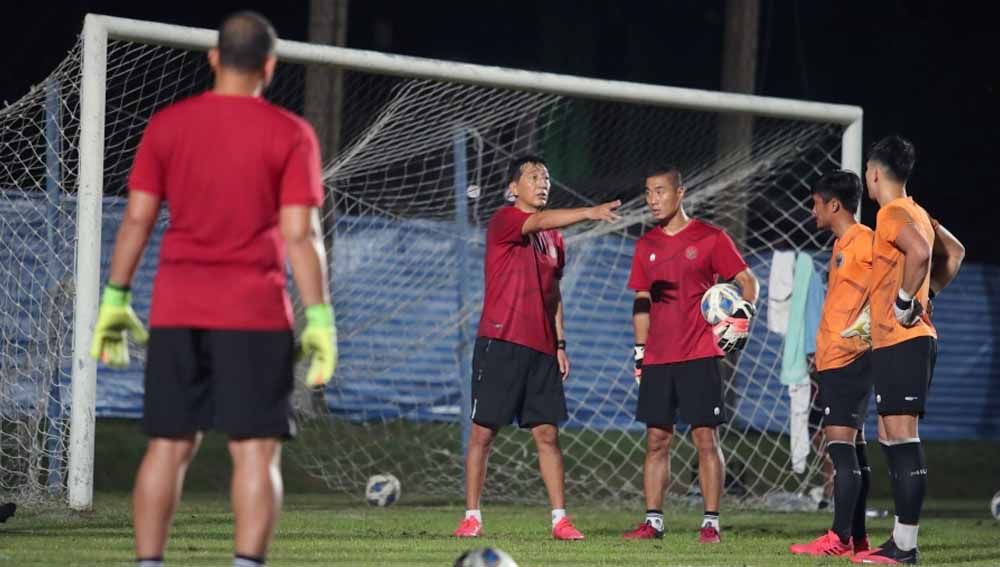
(319, 529)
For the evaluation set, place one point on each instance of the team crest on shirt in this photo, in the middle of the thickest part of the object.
(691, 253)
(652, 257)
(839, 259)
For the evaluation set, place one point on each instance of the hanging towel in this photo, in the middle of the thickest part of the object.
(794, 369)
(798, 396)
(814, 310)
(779, 290)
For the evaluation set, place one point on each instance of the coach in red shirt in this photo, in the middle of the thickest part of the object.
(677, 352)
(520, 361)
(241, 179)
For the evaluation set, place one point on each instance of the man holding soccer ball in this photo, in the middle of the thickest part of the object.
(676, 351)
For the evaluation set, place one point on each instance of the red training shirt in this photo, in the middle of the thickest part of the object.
(677, 270)
(522, 282)
(225, 165)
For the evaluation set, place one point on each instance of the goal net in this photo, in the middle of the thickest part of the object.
(420, 167)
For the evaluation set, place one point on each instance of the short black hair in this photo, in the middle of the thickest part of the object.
(896, 154)
(514, 170)
(246, 39)
(842, 185)
(664, 168)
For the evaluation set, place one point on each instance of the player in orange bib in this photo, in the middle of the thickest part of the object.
(904, 342)
(843, 362)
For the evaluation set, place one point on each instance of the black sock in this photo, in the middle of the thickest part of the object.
(846, 486)
(858, 528)
(910, 476)
(890, 464)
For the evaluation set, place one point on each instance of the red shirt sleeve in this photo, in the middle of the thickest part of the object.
(148, 168)
(637, 279)
(302, 180)
(726, 260)
(505, 228)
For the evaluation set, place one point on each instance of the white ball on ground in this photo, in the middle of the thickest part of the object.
(995, 506)
(485, 557)
(382, 490)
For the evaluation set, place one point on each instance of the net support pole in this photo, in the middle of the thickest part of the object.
(53, 192)
(80, 481)
(851, 149)
(852, 154)
(463, 233)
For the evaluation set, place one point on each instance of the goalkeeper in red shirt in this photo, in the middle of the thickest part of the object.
(241, 180)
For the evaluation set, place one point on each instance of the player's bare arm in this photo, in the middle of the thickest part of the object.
(640, 316)
(561, 355)
(946, 258)
(300, 227)
(917, 257)
(640, 325)
(133, 234)
(561, 218)
(749, 287)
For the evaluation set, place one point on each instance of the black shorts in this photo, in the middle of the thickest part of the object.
(693, 386)
(510, 380)
(844, 393)
(236, 382)
(902, 375)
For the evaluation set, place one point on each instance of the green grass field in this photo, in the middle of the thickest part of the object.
(319, 528)
(323, 530)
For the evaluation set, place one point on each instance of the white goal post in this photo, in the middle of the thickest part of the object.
(99, 29)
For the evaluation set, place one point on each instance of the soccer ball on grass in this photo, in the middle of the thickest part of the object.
(382, 490)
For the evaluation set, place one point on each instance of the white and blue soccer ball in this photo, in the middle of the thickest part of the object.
(382, 490)
(485, 557)
(719, 302)
(995, 506)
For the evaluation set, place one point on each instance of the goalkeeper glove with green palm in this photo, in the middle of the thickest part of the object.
(861, 327)
(115, 322)
(319, 341)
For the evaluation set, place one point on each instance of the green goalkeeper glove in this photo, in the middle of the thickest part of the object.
(319, 340)
(115, 322)
(861, 327)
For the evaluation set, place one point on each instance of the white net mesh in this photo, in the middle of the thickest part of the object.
(407, 229)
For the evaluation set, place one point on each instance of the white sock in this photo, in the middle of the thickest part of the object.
(149, 563)
(710, 520)
(477, 514)
(655, 519)
(246, 562)
(557, 514)
(904, 536)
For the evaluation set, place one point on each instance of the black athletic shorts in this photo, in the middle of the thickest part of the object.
(844, 392)
(513, 381)
(694, 387)
(902, 375)
(236, 382)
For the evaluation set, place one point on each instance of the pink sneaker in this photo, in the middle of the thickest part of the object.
(469, 527)
(826, 544)
(862, 545)
(708, 534)
(565, 530)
